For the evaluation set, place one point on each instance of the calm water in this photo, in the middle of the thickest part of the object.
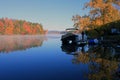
(46, 58)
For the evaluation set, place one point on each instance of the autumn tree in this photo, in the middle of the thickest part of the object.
(17, 27)
(9, 26)
(27, 28)
(103, 11)
(81, 22)
(1, 27)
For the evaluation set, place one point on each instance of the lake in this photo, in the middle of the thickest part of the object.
(46, 58)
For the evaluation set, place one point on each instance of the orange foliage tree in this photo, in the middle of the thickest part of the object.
(1, 27)
(10, 26)
(101, 12)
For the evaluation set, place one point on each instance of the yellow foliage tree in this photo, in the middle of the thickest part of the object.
(101, 12)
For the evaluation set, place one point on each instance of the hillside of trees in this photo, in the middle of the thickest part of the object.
(102, 13)
(19, 27)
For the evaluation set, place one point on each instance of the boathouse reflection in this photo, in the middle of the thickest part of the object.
(103, 61)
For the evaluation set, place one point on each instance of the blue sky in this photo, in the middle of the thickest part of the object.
(52, 14)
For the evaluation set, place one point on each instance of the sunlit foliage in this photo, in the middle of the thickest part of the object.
(101, 12)
(12, 26)
(81, 22)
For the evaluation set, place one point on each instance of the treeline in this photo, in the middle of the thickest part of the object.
(102, 13)
(12, 26)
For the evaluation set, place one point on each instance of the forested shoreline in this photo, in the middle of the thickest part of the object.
(19, 27)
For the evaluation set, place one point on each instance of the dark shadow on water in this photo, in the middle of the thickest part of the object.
(69, 48)
(103, 61)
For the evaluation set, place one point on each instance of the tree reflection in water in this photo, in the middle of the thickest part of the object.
(19, 42)
(103, 61)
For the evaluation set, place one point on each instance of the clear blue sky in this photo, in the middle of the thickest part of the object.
(52, 14)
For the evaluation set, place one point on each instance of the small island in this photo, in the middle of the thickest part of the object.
(19, 27)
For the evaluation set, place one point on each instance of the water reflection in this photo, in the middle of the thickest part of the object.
(103, 60)
(14, 43)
